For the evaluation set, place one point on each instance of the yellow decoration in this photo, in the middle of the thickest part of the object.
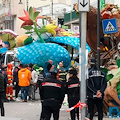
(51, 28)
(66, 33)
(20, 40)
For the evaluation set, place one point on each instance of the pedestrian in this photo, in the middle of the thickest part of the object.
(34, 78)
(16, 82)
(47, 67)
(4, 72)
(2, 93)
(73, 92)
(62, 75)
(96, 85)
(24, 76)
(52, 94)
(10, 82)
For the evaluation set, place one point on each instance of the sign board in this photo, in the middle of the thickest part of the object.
(7, 18)
(65, 27)
(84, 5)
(109, 26)
(76, 29)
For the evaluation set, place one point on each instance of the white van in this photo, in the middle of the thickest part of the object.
(9, 57)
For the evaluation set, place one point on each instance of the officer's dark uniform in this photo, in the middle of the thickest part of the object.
(2, 90)
(52, 94)
(73, 92)
(96, 81)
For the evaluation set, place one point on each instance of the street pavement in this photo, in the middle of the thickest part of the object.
(28, 111)
(31, 111)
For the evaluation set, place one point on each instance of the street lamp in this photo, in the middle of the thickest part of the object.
(22, 3)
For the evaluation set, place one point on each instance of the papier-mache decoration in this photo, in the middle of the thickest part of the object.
(39, 53)
(71, 41)
(31, 19)
(10, 32)
(80, 105)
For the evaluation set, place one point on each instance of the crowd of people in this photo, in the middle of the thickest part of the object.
(53, 85)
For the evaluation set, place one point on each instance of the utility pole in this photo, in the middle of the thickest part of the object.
(98, 36)
(84, 7)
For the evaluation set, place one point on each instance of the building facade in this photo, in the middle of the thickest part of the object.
(10, 10)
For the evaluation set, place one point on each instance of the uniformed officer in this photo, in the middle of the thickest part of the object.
(52, 94)
(96, 85)
(73, 92)
(2, 93)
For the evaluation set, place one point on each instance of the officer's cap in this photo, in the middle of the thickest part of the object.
(92, 61)
(73, 71)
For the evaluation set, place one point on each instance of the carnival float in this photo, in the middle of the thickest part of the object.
(47, 46)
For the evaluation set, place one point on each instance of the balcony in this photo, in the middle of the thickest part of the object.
(69, 17)
(4, 12)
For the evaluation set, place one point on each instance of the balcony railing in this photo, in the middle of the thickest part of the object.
(70, 16)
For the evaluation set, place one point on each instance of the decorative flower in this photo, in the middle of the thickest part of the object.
(26, 19)
(51, 28)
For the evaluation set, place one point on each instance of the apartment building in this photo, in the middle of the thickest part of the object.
(10, 10)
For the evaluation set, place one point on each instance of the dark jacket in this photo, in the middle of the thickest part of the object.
(73, 90)
(15, 74)
(52, 91)
(2, 83)
(96, 81)
(5, 75)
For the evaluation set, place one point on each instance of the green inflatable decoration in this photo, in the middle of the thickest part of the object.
(28, 41)
(9, 38)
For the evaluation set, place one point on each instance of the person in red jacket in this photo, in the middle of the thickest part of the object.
(10, 81)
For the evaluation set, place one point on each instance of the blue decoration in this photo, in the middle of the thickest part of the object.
(71, 41)
(39, 53)
(3, 50)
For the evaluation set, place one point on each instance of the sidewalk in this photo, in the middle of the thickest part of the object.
(6, 118)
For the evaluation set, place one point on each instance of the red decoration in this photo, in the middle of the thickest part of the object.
(27, 20)
(107, 15)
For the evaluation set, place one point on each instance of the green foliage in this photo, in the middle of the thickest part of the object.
(35, 15)
(116, 7)
(42, 30)
(27, 27)
(28, 32)
(31, 13)
(105, 5)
